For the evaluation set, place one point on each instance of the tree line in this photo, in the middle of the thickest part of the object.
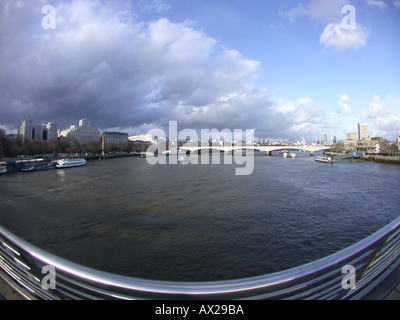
(12, 146)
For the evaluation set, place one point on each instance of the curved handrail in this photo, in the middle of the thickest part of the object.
(308, 280)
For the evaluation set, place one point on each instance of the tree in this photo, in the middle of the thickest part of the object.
(3, 141)
(92, 146)
(73, 146)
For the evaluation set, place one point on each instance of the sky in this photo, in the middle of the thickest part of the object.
(287, 69)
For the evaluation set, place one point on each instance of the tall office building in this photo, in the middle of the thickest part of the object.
(30, 131)
(362, 131)
(52, 131)
(26, 130)
(39, 132)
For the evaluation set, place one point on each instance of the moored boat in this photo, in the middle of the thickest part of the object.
(37, 166)
(28, 167)
(289, 155)
(173, 152)
(3, 167)
(183, 159)
(325, 159)
(67, 163)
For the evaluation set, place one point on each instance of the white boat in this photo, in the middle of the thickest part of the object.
(183, 159)
(67, 163)
(325, 159)
(3, 168)
(289, 155)
(173, 152)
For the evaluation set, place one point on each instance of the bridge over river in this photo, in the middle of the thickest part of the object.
(268, 149)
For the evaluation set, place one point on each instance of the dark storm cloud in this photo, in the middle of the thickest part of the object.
(102, 64)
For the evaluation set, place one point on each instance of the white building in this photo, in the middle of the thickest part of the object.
(26, 130)
(29, 131)
(363, 131)
(351, 136)
(52, 131)
(142, 137)
(325, 140)
(83, 132)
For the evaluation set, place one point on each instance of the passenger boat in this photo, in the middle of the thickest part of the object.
(289, 155)
(325, 159)
(67, 163)
(3, 167)
(173, 152)
(28, 167)
(8, 166)
(37, 166)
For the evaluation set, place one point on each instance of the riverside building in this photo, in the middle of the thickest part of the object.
(30, 131)
(83, 132)
(114, 137)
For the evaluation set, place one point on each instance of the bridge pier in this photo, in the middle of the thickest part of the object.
(268, 153)
(311, 153)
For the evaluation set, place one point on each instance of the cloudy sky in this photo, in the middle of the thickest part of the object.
(286, 69)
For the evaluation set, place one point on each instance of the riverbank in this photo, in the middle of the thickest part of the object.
(369, 157)
(12, 165)
(381, 159)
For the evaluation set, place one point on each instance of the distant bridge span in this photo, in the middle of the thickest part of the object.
(267, 149)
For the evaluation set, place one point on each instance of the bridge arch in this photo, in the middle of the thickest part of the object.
(267, 149)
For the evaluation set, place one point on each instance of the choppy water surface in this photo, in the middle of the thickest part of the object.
(199, 222)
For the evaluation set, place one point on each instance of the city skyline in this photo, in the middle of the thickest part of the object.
(285, 69)
(84, 132)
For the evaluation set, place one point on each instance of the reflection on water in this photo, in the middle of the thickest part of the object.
(199, 222)
(61, 174)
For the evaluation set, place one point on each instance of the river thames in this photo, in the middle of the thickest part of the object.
(200, 222)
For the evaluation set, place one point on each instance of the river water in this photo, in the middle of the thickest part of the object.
(200, 222)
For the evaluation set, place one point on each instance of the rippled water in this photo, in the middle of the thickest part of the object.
(200, 222)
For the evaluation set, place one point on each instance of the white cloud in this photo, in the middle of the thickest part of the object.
(326, 10)
(303, 118)
(334, 35)
(376, 109)
(156, 5)
(377, 3)
(383, 115)
(338, 38)
(344, 103)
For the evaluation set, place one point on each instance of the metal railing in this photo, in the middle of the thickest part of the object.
(373, 259)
